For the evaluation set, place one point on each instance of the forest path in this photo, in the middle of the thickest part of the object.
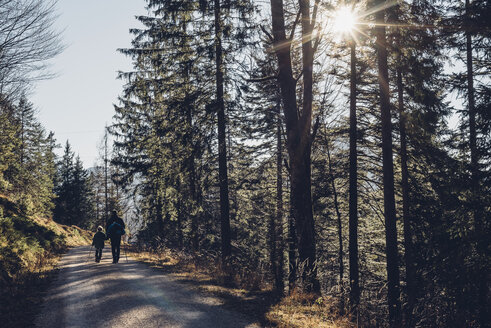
(127, 294)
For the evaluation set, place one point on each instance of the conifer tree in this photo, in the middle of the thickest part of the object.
(298, 129)
(388, 171)
(74, 202)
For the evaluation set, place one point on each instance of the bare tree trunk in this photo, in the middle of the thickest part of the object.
(106, 201)
(279, 248)
(272, 250)
(194, 216)
(22, 138)
(222, 142)
(298, 124)
(292, 251)
(158, 209)
(191, 166)
(408, 249)
(475, 184)
(353, 191)
(388, 174)
(180, 235)
(340, 228)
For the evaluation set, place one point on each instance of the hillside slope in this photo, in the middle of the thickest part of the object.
(29, 250)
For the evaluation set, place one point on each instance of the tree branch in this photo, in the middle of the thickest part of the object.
(292, 33)
(270, 37)
(263, 79)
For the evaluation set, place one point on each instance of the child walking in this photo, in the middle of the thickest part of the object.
(98, 243)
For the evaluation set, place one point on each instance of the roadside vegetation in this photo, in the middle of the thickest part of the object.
(249, 293)
(30, 247)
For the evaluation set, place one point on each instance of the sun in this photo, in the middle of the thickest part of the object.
(344, 20)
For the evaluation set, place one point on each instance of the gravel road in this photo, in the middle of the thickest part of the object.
(127, 294)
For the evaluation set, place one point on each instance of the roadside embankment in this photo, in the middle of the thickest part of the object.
(29, 250)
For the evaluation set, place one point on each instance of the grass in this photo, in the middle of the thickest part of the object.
(29, 250)
(247, 294)
(307, 310)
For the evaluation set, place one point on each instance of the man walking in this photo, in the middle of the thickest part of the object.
(115, 229)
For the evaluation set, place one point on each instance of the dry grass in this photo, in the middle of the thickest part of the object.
(300, 310)
(295, 311)
(209, 278)
(74, 236)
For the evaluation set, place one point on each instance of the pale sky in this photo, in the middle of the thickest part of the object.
(77, 104)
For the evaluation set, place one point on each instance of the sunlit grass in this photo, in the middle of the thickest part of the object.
(300, 310)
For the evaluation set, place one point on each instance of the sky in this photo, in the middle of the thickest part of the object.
(78, 102)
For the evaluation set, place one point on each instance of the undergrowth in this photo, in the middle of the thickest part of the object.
(246, 292)
(29, 250)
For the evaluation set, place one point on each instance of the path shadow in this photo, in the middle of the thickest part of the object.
(87, 294)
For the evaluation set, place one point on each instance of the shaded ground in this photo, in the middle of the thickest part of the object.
(247, 297)
(127, 294)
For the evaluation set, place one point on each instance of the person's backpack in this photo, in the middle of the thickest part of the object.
(116, 229)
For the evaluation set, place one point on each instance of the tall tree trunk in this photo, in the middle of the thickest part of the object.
(194, 215)
(159, 209)
(408, 249)
(191, 166)
(272, 251)
(475, 182)
(279, 248)
(292, 251)
(298, 124)
(353, 191)
(22, 133)
(288, 96)
(340, 228)
(222, 142)
(106, 200)
(388, 173)
(180, 234)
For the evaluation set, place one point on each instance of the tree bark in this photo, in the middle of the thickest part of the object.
(298, 124)
(475, 182)
(279, 272)
(191, 166)
(106, 201)
(353, 191)
(340, 229)
(194, 215)
(222, 143)
(408, 249)
(388, 173)
(292, 251)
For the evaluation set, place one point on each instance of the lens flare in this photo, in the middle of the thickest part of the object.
(344, 20)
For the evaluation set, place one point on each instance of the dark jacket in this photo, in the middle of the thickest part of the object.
(116, 228)
(98, 241)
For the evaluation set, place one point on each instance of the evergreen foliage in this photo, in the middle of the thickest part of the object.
(431, 178)
(74, 203)
(250, 134)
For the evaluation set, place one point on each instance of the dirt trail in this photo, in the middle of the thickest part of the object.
(127, 294)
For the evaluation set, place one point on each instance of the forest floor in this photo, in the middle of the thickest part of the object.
(250, 297)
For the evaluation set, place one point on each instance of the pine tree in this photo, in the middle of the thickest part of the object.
(353, 186)
(62, 211)
(298, 130)
(388, 171)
